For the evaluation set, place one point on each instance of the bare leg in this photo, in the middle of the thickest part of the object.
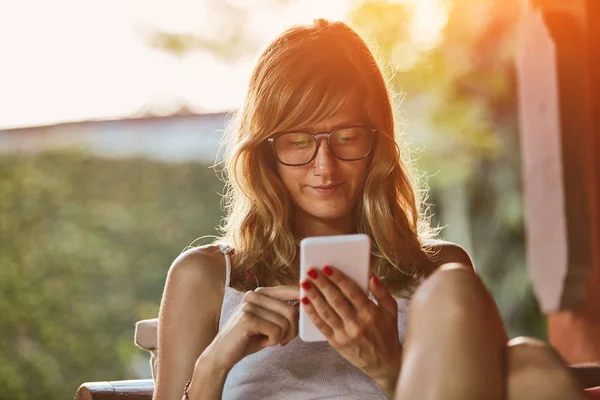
(456, 348)
(536, 371)
(455, 344)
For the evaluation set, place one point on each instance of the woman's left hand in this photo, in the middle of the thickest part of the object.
(364, 333)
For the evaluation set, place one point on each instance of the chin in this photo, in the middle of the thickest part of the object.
(327, 216)
(328, 213)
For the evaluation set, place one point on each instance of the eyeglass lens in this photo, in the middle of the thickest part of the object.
(297, 148)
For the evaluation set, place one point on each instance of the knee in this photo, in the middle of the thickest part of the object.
(451, 286)
(455, 294)
(528, 354)
(534, 368)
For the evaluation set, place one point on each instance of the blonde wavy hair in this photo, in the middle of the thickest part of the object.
(304, 76)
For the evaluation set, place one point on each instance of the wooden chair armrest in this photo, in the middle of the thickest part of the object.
(139, 389)
(143, 389)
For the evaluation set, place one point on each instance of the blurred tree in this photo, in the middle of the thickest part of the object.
(462, 94)
(229, 37)
(85, 244)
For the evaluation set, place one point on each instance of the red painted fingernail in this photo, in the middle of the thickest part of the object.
(305, 300)
(376, 280)
(313, 274)
(328, 271)
(306, 285)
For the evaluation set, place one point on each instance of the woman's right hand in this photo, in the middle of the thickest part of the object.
(264, 318)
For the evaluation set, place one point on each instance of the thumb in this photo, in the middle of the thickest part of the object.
(383, 296)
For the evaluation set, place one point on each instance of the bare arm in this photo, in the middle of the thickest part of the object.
(190, 343)
(188, 321)
(208, 380)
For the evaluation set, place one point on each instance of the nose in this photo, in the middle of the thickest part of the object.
(324, 161)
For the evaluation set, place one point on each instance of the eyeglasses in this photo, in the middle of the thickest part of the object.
(348, 143)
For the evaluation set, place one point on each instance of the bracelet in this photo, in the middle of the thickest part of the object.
(185, 390)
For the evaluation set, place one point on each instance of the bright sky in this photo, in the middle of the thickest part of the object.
(70, 60)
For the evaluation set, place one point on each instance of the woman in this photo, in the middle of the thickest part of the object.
(312, 153)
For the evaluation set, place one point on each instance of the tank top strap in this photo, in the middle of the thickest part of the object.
(225, 249)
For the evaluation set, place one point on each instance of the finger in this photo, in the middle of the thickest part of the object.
(288, 311)
(354, 295)
(284, 293)
(332, 294)
(276, 328)
(316, 319)
(383, 296)
(319, 304)
(293, 330)
(270, 334)
(280, 306)
(267, 333)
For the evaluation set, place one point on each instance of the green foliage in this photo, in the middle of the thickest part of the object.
(85, 244)
(460, 102)
(227, 36)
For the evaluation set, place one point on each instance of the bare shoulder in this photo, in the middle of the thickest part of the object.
(442, 252)
(200, 264)
(196, 280)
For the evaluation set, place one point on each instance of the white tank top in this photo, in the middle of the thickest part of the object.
(300, 370)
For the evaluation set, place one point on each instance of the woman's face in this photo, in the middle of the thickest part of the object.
(327, 188)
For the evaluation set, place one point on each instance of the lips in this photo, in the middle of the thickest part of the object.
(328, 186)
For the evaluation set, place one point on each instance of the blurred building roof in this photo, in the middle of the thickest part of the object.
(176, 137)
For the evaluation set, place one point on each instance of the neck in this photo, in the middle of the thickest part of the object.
(307, 225)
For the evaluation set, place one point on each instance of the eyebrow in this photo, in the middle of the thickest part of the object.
(335, 127)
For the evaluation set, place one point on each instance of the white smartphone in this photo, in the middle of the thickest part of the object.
(349, 254)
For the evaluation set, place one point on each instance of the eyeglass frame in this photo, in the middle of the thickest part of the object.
(317, 136)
